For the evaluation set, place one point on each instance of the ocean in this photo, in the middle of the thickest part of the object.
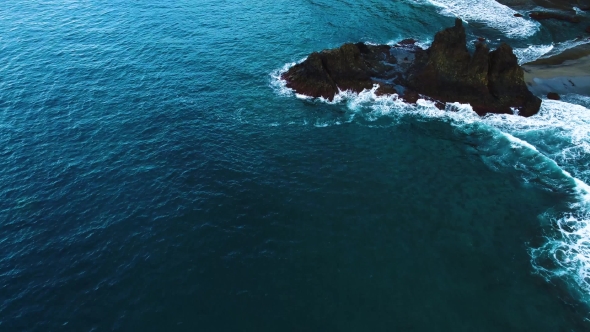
(156, 175)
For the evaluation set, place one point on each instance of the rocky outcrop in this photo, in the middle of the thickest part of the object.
(562, 5)
(542, 15)
(350, 67)
(492, 82)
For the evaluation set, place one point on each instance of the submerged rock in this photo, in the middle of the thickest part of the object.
(556, 16)
(492, 82)
(563, 5)
(553, 96)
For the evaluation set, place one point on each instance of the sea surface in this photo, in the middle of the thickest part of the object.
(156, 175)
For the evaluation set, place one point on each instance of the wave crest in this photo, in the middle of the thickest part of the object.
(550, 150)
(502, 18)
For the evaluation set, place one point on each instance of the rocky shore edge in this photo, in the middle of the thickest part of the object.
(490, 81)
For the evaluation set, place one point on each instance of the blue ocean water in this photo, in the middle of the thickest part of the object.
(157, 176)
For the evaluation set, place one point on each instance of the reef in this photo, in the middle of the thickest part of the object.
(490, 81)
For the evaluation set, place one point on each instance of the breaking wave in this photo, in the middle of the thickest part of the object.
(531, 53)
(550, 150)
(479, 11)
(534, 52)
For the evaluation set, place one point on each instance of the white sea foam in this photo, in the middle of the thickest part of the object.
(566, 45)
(568, 251)
(551, 149)
(532, 53)
(488, 12)
(280, 85)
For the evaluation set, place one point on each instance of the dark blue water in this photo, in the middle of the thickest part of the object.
(155, 177)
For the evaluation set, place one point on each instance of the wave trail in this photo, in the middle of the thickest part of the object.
(550, 150)
(488, 12)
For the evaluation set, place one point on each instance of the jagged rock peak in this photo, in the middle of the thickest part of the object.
(492, 82)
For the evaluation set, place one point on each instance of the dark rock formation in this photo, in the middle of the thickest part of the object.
(518, 15)
(492, 82)
(553, 96)
(350, 67)
(562, 5)
(552, 15)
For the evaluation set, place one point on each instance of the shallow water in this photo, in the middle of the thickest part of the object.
(155, 176)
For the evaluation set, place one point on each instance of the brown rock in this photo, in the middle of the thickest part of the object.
(438, 76)
(492, 82)
(352, 67)
(311, 78)
(553, 96)
(408, 41)
(411, 96)
(385, 90)
(537, 15)
(564, 5)
(346, 67)
(518, 15)
(506, 83)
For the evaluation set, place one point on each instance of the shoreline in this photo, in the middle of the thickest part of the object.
(563, 73)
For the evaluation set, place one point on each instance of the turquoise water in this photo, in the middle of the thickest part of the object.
(157, 176)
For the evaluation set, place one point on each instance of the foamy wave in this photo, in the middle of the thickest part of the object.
(562, 131)
(278, 84)
(566, 45)
(568, 253)
(489, 12)
(552, 150)
(549, 150)
(532, 53)
(424, 44)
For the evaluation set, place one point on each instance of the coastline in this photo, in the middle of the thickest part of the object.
(563, 73)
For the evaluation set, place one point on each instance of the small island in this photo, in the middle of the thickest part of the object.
(490, 81)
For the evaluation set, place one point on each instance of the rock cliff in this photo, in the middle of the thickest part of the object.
(492, 82)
